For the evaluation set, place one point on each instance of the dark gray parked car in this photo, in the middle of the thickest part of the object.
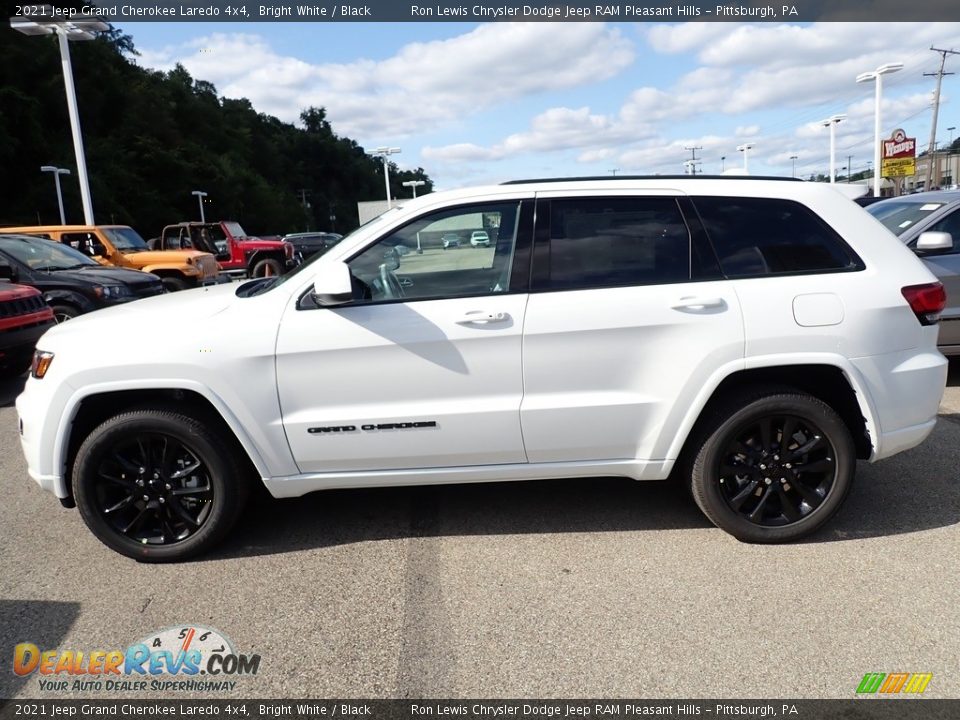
(929, 223)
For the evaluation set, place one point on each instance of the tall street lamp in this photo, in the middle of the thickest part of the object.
(877, 75)
(831, 122)
(745, 149)
(384, 152)
(413, 185)
(57, 172)
(200, 196)
(793, 165)
(41, 22)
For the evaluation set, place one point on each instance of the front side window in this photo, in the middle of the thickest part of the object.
(126, 239)
(43, 255)
(950, 224)
(755, 237)
(432, 257)
(611, 242)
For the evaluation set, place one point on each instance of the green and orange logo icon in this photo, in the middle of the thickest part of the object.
(894, 683)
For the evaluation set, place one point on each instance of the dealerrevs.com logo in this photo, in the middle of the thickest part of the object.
(190, 658)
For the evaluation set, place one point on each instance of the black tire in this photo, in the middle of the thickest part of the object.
(759, 488)
(174, 284)
(268, 267)
(139, 465)
(62, 312)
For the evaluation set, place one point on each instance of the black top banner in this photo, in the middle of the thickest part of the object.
(496, 11)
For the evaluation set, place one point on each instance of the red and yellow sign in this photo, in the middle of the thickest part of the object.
(899, 155)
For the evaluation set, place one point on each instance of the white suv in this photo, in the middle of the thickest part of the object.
(751, 337)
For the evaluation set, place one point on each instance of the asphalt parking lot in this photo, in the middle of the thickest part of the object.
(549, 589)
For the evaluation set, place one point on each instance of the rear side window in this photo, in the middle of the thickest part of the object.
(755, 237)
(611, 242)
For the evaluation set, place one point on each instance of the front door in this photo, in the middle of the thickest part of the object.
(423, 368)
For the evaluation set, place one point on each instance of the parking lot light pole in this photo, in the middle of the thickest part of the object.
(831, 122)
(413, 185)
(200, 196)
(42, 22)
(57, 172)
(793, 165)
(384, 152)
(877, 76)
(745, 149)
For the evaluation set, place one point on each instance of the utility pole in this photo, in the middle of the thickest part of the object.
(849, 167)
(931, 147)
(693, 159)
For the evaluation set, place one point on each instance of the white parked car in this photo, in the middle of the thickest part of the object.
(752, 338)
(480, 238)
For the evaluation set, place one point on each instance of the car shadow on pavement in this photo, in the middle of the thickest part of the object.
(44, 623)
(912, 492)
(10, 388)
(338, 517)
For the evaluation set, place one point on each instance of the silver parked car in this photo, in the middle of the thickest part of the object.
(929, 223)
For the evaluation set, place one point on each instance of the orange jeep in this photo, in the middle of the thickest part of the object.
(122, 246)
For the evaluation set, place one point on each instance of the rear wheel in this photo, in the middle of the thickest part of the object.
(158, 485)
(268, 267)
(774, 468)
(174, 284)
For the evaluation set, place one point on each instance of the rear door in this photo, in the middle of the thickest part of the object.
(628, 317)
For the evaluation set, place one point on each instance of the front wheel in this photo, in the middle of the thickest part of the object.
(268, 267)
(174, 284)
(158, 485)
(774, 469)
(62, 313)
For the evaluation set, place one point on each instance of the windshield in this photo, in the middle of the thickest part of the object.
(234, 229)
(898, 217)
(125, 239)
(255, 287)
(44, 254)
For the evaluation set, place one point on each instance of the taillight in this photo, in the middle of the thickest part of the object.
(926, 301)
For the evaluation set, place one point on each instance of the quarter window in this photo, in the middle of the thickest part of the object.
(611, 242)
(438, 255)
(755, 237)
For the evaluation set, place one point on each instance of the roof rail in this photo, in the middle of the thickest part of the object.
(610, 178)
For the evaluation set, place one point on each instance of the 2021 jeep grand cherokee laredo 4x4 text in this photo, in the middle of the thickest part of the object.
(752, 337)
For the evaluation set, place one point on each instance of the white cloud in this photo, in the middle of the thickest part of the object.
(423, 86)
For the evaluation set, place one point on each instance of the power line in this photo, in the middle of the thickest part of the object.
(693, 161)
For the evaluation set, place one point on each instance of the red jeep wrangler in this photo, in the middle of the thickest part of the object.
(236, 252)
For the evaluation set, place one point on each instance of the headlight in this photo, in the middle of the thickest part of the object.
(41, 363)
(111, 292)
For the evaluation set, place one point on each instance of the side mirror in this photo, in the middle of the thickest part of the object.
(7, 272)
(931, 241)
(97, 248)
(333, 284)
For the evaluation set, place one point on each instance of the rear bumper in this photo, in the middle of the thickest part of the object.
(905, 389)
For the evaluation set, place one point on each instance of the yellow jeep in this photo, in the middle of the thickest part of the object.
(122, 246)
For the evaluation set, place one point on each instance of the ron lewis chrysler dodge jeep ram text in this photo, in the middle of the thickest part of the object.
(751, 337)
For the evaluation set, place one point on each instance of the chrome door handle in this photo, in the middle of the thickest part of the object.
(481, 317)
(698, 303)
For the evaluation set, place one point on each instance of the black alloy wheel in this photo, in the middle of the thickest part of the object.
(772, 465)
(777, 470)
(157, 484)
(153, 489)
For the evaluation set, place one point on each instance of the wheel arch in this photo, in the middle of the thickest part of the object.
(92, 409)
(833, 381)
(69, 297)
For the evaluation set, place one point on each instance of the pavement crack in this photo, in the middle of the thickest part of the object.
(427, 653)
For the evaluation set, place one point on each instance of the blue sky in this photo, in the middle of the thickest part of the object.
(476, 103)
